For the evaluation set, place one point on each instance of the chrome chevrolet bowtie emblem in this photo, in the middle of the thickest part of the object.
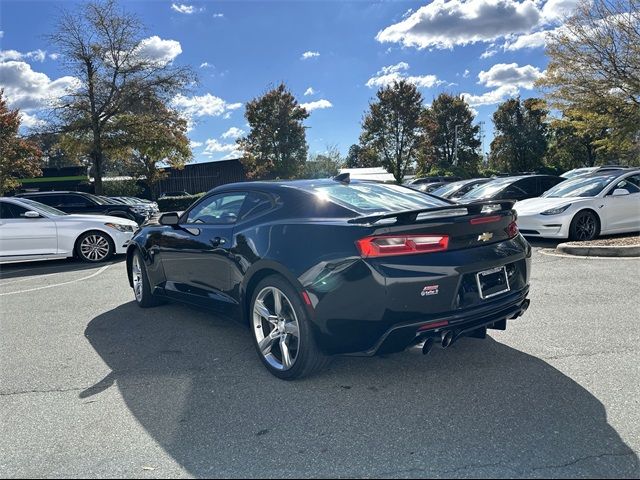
(485, 237)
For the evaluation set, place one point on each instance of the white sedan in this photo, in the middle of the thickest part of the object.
(30, 230)
(584, 207)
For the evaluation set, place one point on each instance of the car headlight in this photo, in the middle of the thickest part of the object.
(120, 227)
(556, 211)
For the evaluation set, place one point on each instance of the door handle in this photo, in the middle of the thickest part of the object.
(217, 241)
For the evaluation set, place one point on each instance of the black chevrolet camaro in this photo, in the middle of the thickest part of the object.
(329, 267)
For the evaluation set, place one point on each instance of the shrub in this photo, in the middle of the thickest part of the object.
(176, 204)
(121, 188)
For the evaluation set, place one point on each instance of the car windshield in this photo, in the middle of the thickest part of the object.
(448, 188)
(42, 207)
(580, 187)
(490, 188)
(578, 171)
(369, 198)
(97, 199)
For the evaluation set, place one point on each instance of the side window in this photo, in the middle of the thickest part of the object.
(546, 183)
(529, 186)
(512, 192)
(220, 209)
(9, 210)
(255, 204)
(631, 184)
(51, 200)
(74, 201)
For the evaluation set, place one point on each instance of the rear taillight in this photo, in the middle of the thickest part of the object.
(386, 245)
(512, 230)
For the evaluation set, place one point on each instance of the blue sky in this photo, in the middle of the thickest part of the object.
(338, 53)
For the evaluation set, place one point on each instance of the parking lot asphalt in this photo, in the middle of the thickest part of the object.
(91, 385)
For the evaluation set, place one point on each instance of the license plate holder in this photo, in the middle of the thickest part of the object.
(492, 282)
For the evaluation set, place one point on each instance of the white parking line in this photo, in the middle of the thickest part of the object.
(58, 284)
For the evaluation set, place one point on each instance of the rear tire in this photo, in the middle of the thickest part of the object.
(585, 226)
(94, 247)
(140, 281)
(282, 331)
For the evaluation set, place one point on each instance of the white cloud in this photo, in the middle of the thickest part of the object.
(530, 40)
(309, 54)
(214, 146)
(181, 8)
(309, 91)
(195, 144)
(218, 15)
(466, 73)
(37, 55)
(30, 121)
(203, 106)
(394, 73)
(1, 33)
(446, 23)
(233, 132)
(490, 52)
(54, 56)
(317, 105)
(233, 155)
(158, 50)
(555, 10)
(26, 89)
(206, 65)
(494, 96)
(511, 75)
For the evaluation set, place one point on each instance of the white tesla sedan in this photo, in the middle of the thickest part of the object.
(584, 207)
(30, 230)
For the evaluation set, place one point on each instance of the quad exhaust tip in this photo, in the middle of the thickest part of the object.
(447, 339)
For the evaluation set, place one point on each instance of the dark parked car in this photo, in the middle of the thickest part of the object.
(80, 202)
(512, 188)
(323, 267)
(456, 190)
(420, 180)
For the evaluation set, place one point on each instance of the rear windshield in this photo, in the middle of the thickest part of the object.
(370, 198)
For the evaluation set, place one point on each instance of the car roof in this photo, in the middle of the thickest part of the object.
(51, 192)
(280, 185)
(618, 172)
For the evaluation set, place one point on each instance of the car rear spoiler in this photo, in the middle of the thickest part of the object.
(412, 216)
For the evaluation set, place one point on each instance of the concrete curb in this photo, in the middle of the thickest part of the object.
(600, 251)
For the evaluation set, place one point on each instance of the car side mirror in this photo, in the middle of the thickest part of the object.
(620, 191)
(170, 219)
(31, 214)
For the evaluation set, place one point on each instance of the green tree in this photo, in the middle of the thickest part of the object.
(571, 147)
(451, 140)
(392, 127)
(276, 146)
(594, 75)
(361, 157)
(520, 141)
(18, 157)
(323, 165)
(102, 45)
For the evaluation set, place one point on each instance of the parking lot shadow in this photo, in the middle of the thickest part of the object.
(480, 408)
(46, 267)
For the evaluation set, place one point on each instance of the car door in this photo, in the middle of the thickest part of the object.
(621, 213)
(195, 254)
(520, 190)
(25, 237)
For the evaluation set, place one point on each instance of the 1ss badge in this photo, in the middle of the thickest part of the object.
(430, 290)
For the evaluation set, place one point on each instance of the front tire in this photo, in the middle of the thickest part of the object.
(94, 247)
(282, 331)
(140, 281)
(585, 226)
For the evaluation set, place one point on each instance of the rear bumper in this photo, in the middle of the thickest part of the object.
(495, 314)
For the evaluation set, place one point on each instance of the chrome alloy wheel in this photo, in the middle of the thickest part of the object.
(276, 328)
(94, 247)
(136, 273)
